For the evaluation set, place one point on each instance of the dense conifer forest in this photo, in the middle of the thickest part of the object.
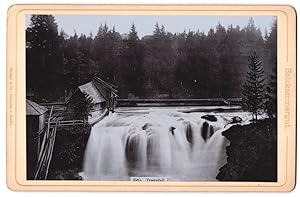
(190, 64)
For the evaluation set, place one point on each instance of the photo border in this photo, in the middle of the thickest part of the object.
(16, 94)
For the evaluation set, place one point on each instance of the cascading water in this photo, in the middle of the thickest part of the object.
(177, 146)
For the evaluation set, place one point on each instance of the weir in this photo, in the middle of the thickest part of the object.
(159, 143)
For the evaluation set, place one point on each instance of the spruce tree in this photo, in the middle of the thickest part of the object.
(157, 30)
(132, 61)
(253, 90)
(133, 33)
(83, 106)
(44, 62)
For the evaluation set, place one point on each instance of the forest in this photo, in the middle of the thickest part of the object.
(190, 64)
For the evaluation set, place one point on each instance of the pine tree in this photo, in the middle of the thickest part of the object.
(133, 33)
(83, 106)
(253, 90)
(131, 71)
(44, 62)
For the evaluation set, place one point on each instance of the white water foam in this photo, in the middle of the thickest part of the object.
(157, 143)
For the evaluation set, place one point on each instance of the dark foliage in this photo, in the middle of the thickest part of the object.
(44, 58)
(68, 152)
(252, 153)
(83, 105)
(131, 71)
(162, 65)
(254, 89)
(271, 96)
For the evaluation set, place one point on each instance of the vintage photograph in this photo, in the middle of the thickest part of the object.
(151, 97)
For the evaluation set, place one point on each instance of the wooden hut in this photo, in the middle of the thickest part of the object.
(35, 122)
(103, 95)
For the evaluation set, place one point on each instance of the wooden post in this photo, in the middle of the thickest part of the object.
(49, 119)
(38, 143)
(44, 146)
(41, 161)
(52, 142)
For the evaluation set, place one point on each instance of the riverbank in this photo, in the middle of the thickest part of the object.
(68, 152)
(252, 153)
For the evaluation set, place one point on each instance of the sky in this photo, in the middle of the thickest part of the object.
(86, 24)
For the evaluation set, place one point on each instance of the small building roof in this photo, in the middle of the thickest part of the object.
(92, 91)
(34, 109)
(97, 89)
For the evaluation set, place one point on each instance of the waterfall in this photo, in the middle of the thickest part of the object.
(174, 145)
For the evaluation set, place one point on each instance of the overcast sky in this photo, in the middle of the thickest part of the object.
(87, 24)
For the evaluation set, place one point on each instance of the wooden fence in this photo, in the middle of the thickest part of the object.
(45, 151)
(67, 122)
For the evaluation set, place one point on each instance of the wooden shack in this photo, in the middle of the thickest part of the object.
(35, 123)
(103, 95)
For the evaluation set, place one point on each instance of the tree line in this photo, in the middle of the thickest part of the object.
(190, 64)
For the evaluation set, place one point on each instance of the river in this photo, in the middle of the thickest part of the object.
(177, 144)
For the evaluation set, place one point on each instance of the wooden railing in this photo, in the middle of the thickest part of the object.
(68, 122)
(45, 151)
